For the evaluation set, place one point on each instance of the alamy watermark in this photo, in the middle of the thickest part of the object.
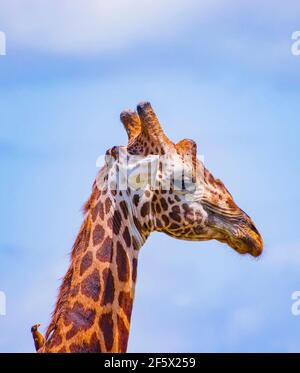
(2, 43)
(152, 171)
(295, 48)
(295, 309)
(2, 303)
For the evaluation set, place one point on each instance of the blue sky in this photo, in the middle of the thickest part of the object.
(219, 72)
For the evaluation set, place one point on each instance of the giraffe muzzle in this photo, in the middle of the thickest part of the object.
(245, 238)
(238, 232)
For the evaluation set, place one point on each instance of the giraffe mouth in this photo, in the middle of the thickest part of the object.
(247, 242)
(239, 233)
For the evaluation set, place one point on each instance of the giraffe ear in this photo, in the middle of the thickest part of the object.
(132, 124)
(111, 156)
(187, 147)
(150, 124)
(188, 150)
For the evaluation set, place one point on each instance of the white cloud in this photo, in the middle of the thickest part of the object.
(217, 30)
(71, 27)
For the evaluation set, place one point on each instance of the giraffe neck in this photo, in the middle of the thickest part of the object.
(94, 306)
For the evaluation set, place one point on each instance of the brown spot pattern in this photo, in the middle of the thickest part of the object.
(158, 208)
(122, 263)
(158, 223)
(107, 205)
(105, 252)
(124, 209)
(136, 199)
(127, 237)
(83, 239)
(164, 204)
(175, 216)
(101, 210)
(93, 346)
(123, 334)
(145, 209)
(125, 302)
(170, 200)
(98, 210)
(81, 319)
(98, 234)
(106, 325)
(165, 219)
(109, 287)
(176, 209)
(74, 291)
(177, 198)
(86, 262)
(134, 269)
(117, 218)
(90, 286)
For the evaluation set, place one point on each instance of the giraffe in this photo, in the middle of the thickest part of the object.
(180, 198)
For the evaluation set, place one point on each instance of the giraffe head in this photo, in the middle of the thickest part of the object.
(171, 191)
